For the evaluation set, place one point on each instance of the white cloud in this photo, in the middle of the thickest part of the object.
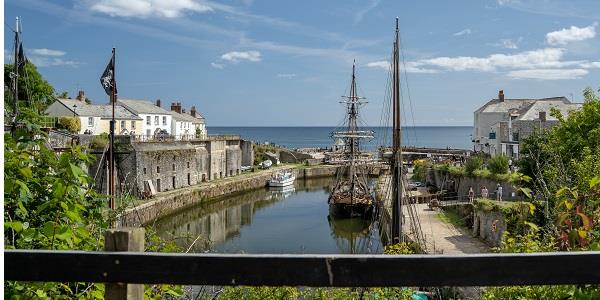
(409, 67)
(148, 8)
(507, 2)
(383, 64)
(362, 12)
(46, 52)
(572, 34)
(591, 65)
(548, 57)
(548, 74)
(287, 75)
(236, 56)
(217, 66)
(43, 58)
(510, 44)
(463, 32)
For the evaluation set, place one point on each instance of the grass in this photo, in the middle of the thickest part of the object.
(453, 218)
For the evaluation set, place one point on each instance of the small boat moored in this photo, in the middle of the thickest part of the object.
(282, 179)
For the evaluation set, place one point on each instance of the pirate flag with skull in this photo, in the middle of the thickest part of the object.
(107, 79)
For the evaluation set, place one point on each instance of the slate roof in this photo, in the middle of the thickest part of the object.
(495, 105)
(103, 111)
(531, 112)
(142, 107)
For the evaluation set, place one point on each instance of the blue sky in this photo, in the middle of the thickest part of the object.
(286, 63)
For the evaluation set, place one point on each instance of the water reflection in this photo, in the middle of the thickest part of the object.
(292, 219)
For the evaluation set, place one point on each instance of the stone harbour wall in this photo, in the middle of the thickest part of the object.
(168, 202)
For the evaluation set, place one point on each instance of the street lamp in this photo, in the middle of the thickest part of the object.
(74, 108)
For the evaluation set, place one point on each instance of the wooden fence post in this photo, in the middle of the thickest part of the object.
(124, 239)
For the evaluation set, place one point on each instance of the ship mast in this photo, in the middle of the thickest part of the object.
(397, 187)
(15, 77)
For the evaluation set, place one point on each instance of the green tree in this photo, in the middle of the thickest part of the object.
(498, 164)
(472, 164)
(34, 91)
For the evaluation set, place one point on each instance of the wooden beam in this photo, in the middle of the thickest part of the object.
(304, 270)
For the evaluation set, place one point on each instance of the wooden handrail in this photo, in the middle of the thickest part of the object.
(304, 270)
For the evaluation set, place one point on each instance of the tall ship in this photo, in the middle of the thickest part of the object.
(351, 195)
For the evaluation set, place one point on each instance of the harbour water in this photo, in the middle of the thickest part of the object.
(290, 220)
(307, 137)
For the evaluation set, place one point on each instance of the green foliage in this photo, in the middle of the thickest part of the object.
(34, 91)
(71, 124)
(99, 141)
(498, 164)
(472, 164)
(49, 203)
(420, 170)
(453, 218)
(401, 248)
(256, 293)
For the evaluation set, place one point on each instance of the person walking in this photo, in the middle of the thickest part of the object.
(471, 195)
(499, 192)
(484, 192)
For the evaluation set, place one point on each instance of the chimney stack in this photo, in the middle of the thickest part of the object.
(81, 95)
(193, 111)
(176, 107)
(542, 116)
(501, 95)
(158, 102)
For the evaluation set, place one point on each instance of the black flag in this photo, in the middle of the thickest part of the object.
(108, 80)
(21, 60)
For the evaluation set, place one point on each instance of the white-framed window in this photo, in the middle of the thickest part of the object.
(132, 124)
(148, 132)
(164, 120)
(156, 120)
(148, 120)
(90, 121)
(123, 125)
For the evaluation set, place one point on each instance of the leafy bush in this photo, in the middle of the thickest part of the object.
(72, 124)
(498, 164)
(420, 170)
(472, 164)
(99, 141)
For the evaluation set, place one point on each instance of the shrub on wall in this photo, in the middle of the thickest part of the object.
(72, 124)
(99, 141)
(498, 164)
(472, 164)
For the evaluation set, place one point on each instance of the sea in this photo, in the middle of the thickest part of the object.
(454, 137)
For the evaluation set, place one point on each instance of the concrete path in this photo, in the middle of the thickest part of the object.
(445, 238)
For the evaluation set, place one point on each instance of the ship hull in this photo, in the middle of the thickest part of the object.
(342, 210)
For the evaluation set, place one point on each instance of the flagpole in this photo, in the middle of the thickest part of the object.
(16, 78)
(112, 137)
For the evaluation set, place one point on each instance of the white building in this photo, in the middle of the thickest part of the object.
(187, 126)
(155, 118)
(95, 119)
(501, 123)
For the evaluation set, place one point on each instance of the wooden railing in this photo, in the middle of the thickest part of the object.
(304, 270)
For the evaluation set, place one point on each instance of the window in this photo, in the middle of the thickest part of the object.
(158, 185)
(123, 125)
(173, 167)
(164, 120)
(188, 164)
(156, 120)
(157, 169)
(148, 132)
(492, 135)
(90, 121)
(144, 170)
(148, 120)
(174, 186)
(189, 179)
(132, 124)
(515, 136)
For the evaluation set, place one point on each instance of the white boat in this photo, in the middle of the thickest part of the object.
(282, 179)
(265, 164)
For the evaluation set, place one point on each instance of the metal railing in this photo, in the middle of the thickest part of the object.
(304, 270)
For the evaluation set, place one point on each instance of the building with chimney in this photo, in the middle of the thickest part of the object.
(156, 120)
(501, 124)
(95, 119)
(187, 125)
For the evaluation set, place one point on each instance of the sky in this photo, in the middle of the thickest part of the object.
(286, 63)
